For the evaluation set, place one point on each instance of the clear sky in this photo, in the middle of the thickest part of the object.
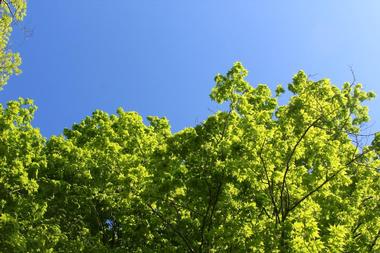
(160, 57)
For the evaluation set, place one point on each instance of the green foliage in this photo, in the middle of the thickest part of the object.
(22, 223)
(10, 11)
(258, 177)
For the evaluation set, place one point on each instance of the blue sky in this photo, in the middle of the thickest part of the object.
(160, 57)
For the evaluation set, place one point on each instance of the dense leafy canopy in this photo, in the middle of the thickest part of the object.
(258, 177)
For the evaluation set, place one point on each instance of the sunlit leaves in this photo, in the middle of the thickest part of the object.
(258, 177)
(10, 11)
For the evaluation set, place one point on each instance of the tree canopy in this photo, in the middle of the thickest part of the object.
(257, 177)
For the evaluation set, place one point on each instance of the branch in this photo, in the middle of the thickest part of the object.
(210, 208)
(202, 230)
(270, 186)
(9, 7)
(218, 191)
(224, 128)
(328, 179)
(184, 239)
(353, 76)
(374, 241)
(291, 156)
(184, 205)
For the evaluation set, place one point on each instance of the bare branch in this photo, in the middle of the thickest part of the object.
(353, 82)
(312, 75)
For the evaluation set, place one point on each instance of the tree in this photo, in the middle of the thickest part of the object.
(10, 11)
(94, 177)
(22, 223)
(263, 177)
(259, 177)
